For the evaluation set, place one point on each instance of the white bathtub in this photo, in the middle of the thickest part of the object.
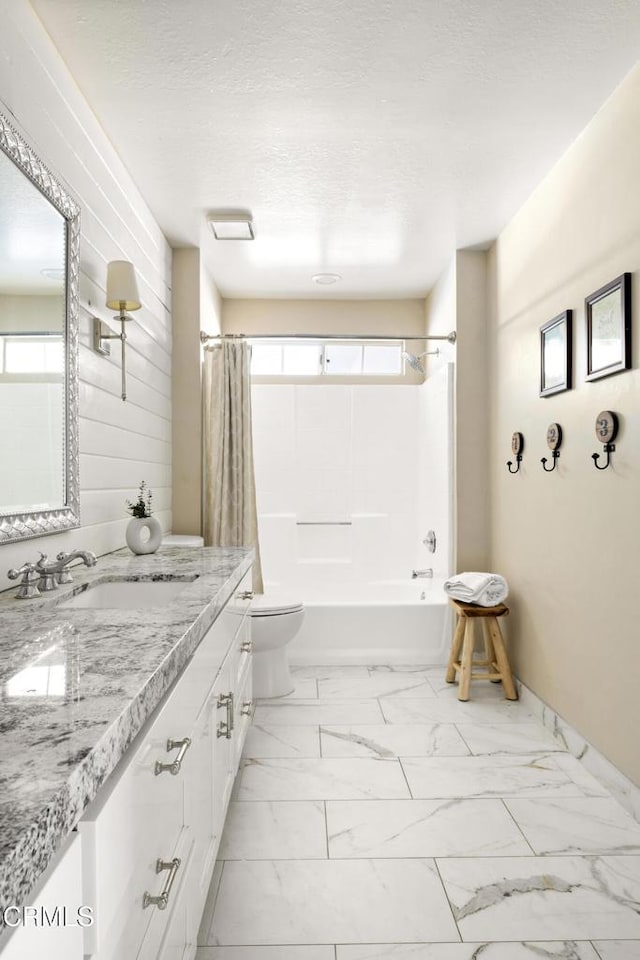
(384, 622)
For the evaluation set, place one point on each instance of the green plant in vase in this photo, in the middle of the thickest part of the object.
(141, 507)
(143, 533)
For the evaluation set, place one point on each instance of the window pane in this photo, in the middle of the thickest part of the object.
(383, 359)
(54, 355)
(341, 358)
(33, 355)
(302, 360)
(266, 359)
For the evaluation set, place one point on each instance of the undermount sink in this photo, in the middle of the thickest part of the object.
(127, 594)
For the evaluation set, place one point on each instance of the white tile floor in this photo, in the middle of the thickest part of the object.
(378, 818)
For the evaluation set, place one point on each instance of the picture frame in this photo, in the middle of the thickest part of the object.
(556, 354)
(608, 316)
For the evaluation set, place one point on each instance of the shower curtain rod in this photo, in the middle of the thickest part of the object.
(205, 337)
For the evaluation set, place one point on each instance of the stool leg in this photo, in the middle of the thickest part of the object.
(489, 652)
(467, 657)
(502, 660)
(450, 675)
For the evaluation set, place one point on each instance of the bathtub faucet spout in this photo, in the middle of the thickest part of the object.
(422, 574)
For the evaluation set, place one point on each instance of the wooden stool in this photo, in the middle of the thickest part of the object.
(496, 660)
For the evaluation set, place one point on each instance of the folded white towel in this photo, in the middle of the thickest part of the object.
(485, 589)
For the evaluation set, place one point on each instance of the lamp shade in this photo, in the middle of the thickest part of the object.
(122, 288)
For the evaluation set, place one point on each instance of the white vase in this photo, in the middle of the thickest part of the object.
(143, 534)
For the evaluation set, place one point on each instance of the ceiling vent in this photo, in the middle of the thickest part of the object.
(231, 225)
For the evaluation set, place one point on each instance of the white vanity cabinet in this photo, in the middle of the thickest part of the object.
(57, 934)
(151, 837)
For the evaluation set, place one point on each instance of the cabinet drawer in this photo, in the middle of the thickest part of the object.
(137, 821)
(60, 937)
(240, 654)
(242, 595)
(244, 713)
(167, 935)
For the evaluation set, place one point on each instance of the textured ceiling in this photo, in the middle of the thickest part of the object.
(369, 138)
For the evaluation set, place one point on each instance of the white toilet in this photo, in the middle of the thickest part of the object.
(275, 620)
(182, 540)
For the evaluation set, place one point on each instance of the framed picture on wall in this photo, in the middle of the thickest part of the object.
(556, 354)
(608, 313)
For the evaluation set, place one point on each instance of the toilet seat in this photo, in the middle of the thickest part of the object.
(271, 605)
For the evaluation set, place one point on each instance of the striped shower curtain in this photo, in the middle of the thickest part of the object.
(230, 514)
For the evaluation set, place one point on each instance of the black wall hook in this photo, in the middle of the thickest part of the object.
(555, 454)
(517, 445)
(606, 431)
(608, 449)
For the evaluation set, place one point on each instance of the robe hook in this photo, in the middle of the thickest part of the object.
(555, 454)
(554, 439)
(608, 449)
(606, 431)
(517, 445)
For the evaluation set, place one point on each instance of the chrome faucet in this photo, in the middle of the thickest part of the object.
(43, 576)
(422, 574)
(55, 571)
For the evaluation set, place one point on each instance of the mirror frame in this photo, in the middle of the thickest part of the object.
(25, 526)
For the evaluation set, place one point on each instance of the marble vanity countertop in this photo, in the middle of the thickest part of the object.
(77, 685)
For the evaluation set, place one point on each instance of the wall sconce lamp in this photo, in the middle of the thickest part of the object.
(122, 295)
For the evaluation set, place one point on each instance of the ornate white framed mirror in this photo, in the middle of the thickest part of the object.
(39, 272)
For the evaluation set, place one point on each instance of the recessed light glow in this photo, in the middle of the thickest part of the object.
(325, 279)
(53, 273)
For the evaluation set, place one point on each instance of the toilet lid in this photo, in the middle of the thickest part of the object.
(182, 540)
(271, 604)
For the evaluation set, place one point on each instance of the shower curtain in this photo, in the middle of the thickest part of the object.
(230, 514)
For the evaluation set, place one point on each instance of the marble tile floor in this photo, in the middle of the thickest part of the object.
(376, 817)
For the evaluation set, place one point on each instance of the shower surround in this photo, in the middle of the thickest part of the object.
(349, 478)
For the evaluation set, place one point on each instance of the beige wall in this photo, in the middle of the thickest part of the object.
(458, 302)
(31, 314)
(323, 316)
(196, 307)
(569, 542)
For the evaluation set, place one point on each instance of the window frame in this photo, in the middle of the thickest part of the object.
(324, 374)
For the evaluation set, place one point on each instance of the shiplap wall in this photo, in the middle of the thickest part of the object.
(120, 443)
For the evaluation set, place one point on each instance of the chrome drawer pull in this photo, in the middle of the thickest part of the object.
(247, 646)
(247, 708)
(226, 700)
(162, 901)
(246, 595)
(174, 767)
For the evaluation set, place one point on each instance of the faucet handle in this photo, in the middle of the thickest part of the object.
(26, 570)
(28, 588)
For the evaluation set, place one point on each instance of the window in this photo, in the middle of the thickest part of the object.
(32, 354)
(328, 358)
